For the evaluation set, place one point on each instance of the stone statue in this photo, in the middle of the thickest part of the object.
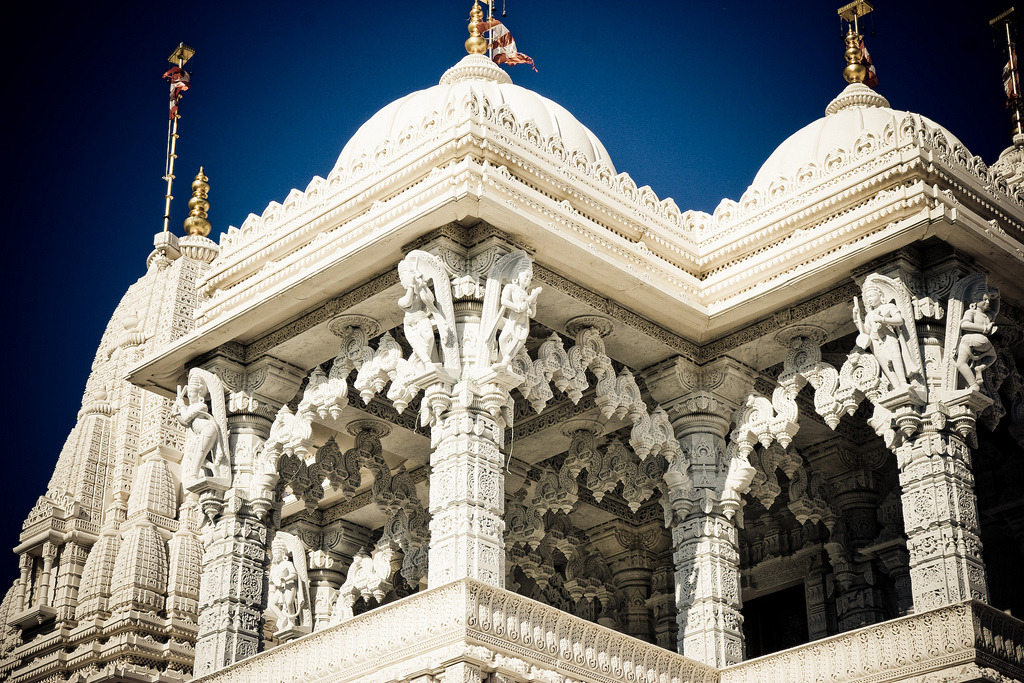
(207, 459)
(975, 351)
(509, 305)
(519, 306)
(289, 585)
(887, 329)
(420, 318)
(427, 308)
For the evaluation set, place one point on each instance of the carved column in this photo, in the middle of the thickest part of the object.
(466, 328)
(631, 554)
(662, 604)
(25, 563)
(49, 555)
(235, 533)
(699, 508)
(921, 364)
(855, 478)
(940, 515)
(69, 575)
(816, 589)
(467, 497)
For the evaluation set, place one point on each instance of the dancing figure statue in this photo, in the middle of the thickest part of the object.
(975, 351)
(207, 459)
(887, 329)
(420, 316)
(519, 305)
(288, 583)
(508, 305)
(427, 303)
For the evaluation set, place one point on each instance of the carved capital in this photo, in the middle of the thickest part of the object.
(259, 388)
(699, 398)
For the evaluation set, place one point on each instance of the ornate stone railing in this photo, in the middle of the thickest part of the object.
(963, 642)
(467, 622)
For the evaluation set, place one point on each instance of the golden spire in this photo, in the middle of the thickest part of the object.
(197, 222)
(855, 72)
(475, 44)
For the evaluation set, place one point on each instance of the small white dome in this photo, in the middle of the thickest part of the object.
(857, 110)
(478, 74)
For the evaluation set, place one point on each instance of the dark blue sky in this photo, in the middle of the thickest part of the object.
(688, 97)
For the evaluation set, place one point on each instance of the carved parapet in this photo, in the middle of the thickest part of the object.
(966, 641)
(434, 631)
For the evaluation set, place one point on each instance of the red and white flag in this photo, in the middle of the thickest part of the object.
(871, 80)
(1011, 79)
(179, 79)
(502, 45)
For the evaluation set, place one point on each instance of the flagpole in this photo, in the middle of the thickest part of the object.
(1011, 52)
(490, 18)
(180, 55)
(1014, 96)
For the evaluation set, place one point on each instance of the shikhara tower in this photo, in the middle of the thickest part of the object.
(476, 406)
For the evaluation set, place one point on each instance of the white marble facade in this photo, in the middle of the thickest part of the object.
(476, 406)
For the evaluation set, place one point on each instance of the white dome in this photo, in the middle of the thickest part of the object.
(478, 74)
(857, 110)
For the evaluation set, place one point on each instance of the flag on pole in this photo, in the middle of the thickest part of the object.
(1009, 76)
(871, 80)
(502, 44)
(179, 79)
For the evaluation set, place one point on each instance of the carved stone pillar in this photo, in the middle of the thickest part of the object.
(631, 554)
(69, 575)
(235, 533)
(699, 506)
(816, 589)
(854, 471)
(940, 515)
(663, 605)
(25, 563)
(922, 363)
(466, 328)
(467, 498)
(49, 555)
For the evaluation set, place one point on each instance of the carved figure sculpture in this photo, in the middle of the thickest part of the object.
(508, 304)
(520, 306)
(420, 318)
(887, 329)
(970, 313)
(289, 584)
(426, 309)
(975, 351)
(207, 459)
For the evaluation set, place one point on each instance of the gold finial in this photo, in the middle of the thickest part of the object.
(476, 44)
(197, 223)
(855, 72)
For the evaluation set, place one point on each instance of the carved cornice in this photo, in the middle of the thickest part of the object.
(321, 314)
